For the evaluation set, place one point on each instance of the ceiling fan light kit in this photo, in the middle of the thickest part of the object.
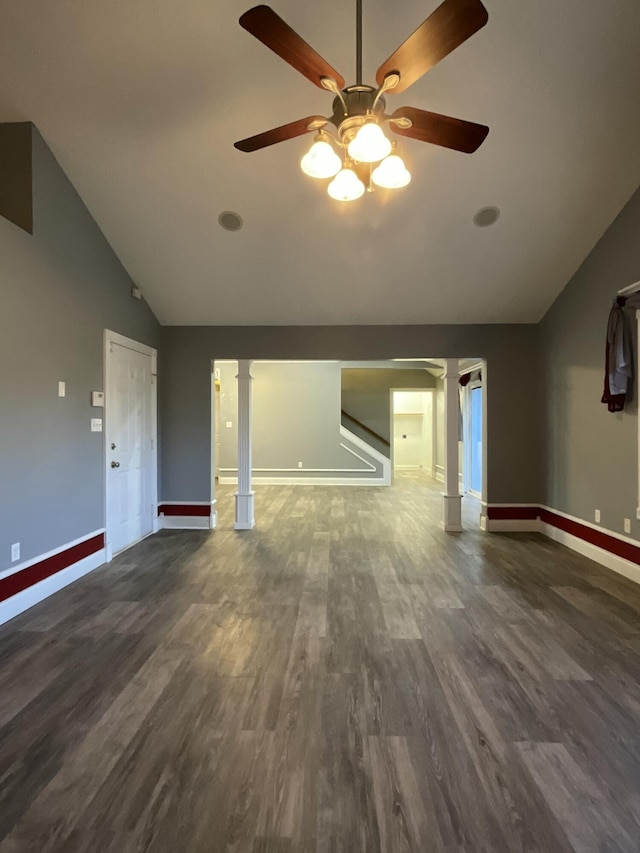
(369, 145)
(391, 174)
(346, 186)
(321, 161)
(359, 111)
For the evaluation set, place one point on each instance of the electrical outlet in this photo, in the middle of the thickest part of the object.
(62, 389)
(299, 464)
(627, 525)
(15, 552)
(597, 514)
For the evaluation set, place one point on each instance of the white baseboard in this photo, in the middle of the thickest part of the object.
(188, 522)
(308, 481)
(600, 555)
(25, 599)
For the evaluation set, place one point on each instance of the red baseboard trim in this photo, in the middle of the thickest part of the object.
(49, 566)
(184, 509)
(599, 538)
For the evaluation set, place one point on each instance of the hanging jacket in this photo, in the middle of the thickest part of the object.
(618, 371)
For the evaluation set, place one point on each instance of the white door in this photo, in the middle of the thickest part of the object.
(130, 440)
(407, 439)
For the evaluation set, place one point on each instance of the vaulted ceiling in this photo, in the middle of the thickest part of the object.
(141, 103)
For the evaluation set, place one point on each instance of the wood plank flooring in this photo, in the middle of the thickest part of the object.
(344, 678)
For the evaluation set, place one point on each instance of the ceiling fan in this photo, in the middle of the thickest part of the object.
(359, 111)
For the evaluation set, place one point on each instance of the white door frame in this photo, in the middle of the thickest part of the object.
(466, 433)
(115, 338)
(215, 375)
(432, 391)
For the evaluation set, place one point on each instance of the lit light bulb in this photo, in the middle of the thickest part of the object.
(346, 186)
(320, 161)
(391, 173)
(369, 144)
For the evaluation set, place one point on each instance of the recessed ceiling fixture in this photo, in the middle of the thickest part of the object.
(230, 221)
(349, 154)
(486, 216)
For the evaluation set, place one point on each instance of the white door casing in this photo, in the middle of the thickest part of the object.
(130, 418)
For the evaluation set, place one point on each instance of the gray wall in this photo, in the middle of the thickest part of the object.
(513, 392)
(295, 418)
(591, 454)
(60, 288)
(184, 413)
(366, 394)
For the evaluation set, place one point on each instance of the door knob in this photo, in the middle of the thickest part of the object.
(115, 464)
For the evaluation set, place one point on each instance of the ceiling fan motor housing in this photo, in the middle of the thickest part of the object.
(359, 103)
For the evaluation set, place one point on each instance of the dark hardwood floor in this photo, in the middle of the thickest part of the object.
(344, 678)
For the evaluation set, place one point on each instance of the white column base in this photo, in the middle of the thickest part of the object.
(452, 513)
(244, 511)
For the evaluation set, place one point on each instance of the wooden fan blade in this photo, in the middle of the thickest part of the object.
(449, 132)
(278, 134)
(452, 23)
(269, 28)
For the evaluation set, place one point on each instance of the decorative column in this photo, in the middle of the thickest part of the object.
(244, 495)
(451, 498)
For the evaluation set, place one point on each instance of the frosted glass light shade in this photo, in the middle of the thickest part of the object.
(369, 144)
(321, 161)
(346, 186)
(391, 173)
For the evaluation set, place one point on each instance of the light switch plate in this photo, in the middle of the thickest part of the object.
(96, 424)
(15, 552)
(62, 389)
(229, 424)
(627, 525)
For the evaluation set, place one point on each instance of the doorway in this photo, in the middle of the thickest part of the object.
(413, 434)
(130, 421)
(472, 403)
